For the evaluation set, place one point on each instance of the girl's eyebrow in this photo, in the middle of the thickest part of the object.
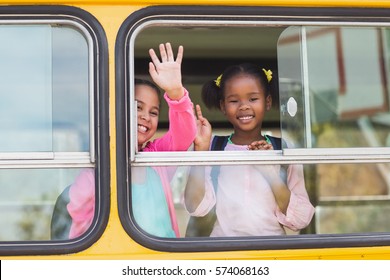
(231, 95)
(234, 95)
(249, 94)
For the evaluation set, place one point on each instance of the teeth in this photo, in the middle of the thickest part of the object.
(245, 117)
(142, 128)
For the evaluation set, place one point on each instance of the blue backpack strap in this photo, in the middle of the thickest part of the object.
(218, 144)
(275, 141)
(277, 145)
(203, 226)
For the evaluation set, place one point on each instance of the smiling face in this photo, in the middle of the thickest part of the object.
(244, 104)
(148, 109)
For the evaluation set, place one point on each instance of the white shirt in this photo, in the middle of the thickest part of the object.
(245, 203)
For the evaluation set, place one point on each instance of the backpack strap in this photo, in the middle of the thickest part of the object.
(277, 145)
(218, 144)
(203, 226)
(275, 141)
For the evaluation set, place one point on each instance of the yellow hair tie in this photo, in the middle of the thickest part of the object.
(218, 81)
(268, 74)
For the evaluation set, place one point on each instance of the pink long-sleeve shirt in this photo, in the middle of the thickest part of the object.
(181, 134)
(245, 203)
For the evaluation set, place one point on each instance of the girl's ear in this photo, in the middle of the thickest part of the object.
(222, 106)
(268, 102)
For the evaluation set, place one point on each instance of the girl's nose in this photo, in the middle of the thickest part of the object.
(144, 116)
(244, 106)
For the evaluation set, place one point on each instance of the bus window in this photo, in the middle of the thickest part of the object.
(45, 114)
(330, 108)
(48, 94)
(338, 83)
(334, 94)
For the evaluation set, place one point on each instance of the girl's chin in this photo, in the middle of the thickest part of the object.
(143, 140)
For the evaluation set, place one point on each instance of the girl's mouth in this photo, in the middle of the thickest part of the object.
(142, 128)
(245, 118)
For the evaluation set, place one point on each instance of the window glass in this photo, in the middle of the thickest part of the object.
(332, 92)
(27, 199)
(206, 199)
(334, 87)
(150, 191)
(26, 108)
(356, 193)
(71, 91)
(45, 95)
(44, 89)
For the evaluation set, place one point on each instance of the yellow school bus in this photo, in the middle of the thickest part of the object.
(67, 72)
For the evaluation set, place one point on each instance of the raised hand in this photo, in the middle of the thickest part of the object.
(203, 135)
(167, 72)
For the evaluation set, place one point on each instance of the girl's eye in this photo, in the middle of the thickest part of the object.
(139, 108)
(154, 114)
(254, 99)
(233, 101)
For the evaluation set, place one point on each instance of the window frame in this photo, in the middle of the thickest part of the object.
(126, 156)
(98, 155)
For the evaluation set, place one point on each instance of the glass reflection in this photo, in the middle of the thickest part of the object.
(339, 83)
(357, 193)
(27, 198)
(44, 89)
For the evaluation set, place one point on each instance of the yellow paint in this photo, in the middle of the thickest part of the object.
(115, 242)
